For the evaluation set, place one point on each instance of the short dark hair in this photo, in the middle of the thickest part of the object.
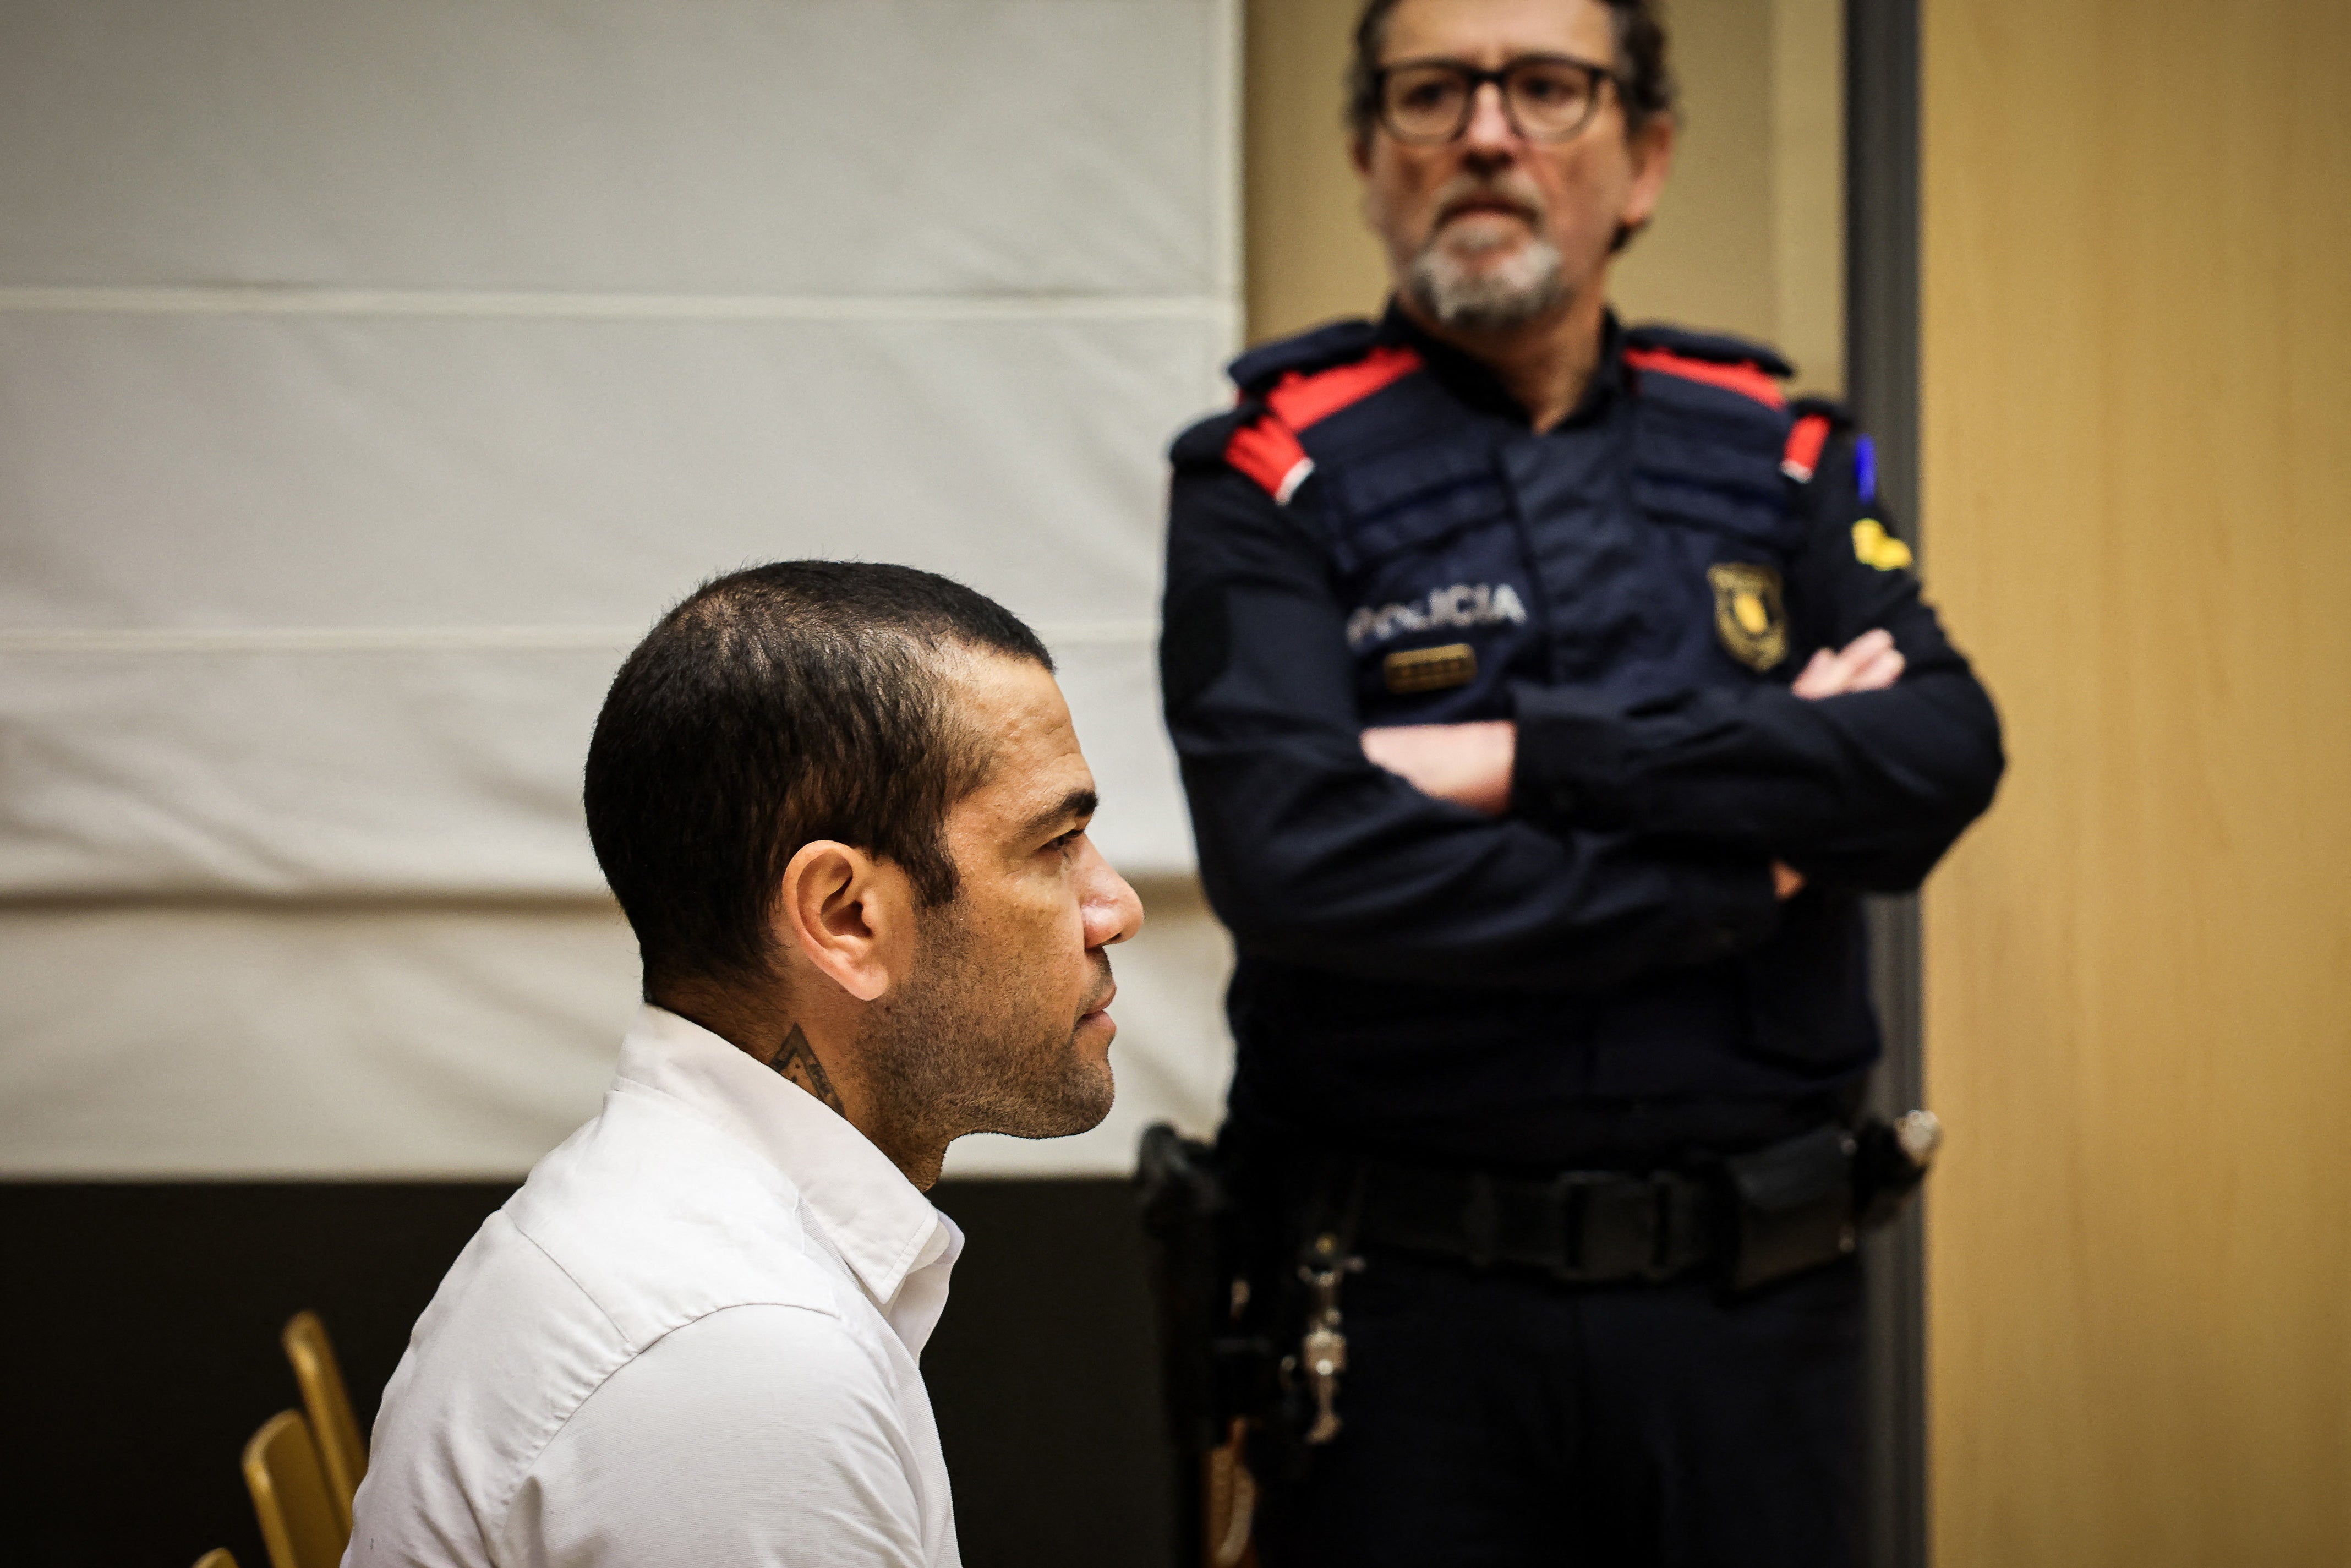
(1644, 83)
(774, 707)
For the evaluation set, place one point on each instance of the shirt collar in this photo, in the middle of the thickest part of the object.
(1469, 378)
(900, 1248)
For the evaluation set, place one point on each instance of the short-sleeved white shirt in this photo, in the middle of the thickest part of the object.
(691, 1338)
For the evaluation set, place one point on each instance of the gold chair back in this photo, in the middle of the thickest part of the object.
(218, 1557)
(329, 1404)
(291, 1495)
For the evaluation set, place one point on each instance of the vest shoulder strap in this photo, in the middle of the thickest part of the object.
(1814, 420)
(1333, 344)
(1266, 447)
(1713, 348)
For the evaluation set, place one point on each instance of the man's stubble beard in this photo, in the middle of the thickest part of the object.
(1443, 280)
(954, 1052)
(1455, 293)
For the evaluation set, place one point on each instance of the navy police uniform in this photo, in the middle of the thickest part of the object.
(1601, 979)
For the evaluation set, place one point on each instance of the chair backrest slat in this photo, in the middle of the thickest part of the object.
(329, 1404)
(299, 1523)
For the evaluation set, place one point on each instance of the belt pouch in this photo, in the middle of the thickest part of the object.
(1793, 1206)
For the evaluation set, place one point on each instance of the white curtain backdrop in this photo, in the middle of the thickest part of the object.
(371, 376)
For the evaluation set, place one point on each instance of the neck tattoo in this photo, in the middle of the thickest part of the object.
(796, 1060)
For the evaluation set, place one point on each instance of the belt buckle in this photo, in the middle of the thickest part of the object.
(1584, 1202)
(1570, 1200)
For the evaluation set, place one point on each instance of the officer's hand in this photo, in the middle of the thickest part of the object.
(1468, 764)
(1869, 662)
(1786, 881)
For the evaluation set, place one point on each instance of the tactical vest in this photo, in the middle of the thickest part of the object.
(1641, 550)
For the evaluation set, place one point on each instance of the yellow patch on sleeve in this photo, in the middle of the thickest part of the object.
(1873, 546)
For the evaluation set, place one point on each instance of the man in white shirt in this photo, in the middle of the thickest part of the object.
(845, 812)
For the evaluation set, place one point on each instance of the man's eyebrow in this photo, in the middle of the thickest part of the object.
(1076, 803)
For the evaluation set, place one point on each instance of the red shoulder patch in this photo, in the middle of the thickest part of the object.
(1801, 458)
(1300, 399)
(1746, 378)
(1267, 448)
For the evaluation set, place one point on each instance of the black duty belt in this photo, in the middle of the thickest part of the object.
(1585, 1228)
(1256, 1341)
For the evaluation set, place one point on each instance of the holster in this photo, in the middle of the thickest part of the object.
(1218, 1378)
(1791, 1207)
(1804, 1202)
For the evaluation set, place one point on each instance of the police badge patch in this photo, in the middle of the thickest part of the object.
(1749, 614)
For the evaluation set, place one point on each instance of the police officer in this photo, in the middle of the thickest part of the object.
(1548, 693)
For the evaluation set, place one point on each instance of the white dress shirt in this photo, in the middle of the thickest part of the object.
(690, 1339)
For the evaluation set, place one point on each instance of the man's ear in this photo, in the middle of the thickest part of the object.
(1652, 154)
(847, 915)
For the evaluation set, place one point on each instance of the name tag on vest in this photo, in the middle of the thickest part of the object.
(1412, 670)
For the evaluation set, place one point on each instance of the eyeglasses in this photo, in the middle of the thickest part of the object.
(1547, 97)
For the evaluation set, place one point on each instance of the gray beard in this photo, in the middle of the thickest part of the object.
(1495, 300)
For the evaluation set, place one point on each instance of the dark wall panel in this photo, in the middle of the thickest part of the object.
(1045, 1377)
(1882, 219)
(142, 1325)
